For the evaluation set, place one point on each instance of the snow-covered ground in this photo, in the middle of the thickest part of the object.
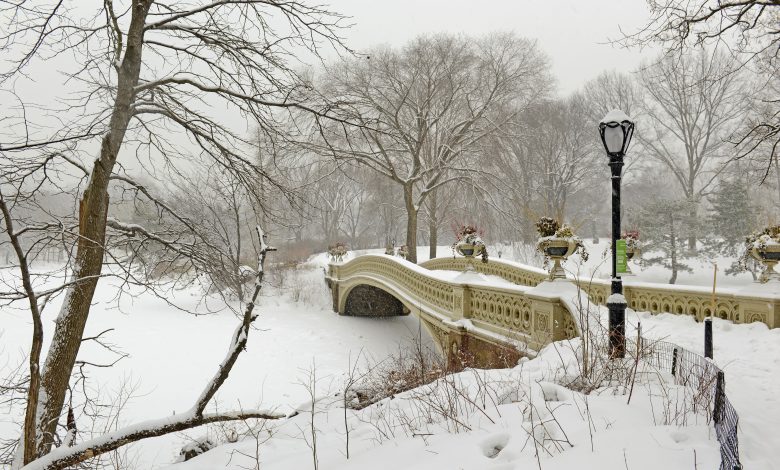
(750, 357)
(416, 430)
(173, 353)
(600, 431)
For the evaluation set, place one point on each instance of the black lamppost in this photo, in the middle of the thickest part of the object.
(616, 130)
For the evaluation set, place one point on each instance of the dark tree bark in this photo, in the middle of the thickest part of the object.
(92, 233)
(33, 389)
(411, 223)
(673, 249)
(433, 224)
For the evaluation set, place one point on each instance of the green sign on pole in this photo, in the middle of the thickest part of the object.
(620, 259)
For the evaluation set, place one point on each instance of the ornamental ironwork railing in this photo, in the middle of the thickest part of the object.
(708, 383)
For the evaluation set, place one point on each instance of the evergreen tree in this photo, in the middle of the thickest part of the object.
(731, 217)
(663, 225)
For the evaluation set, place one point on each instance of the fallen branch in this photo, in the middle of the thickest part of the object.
(64, 457)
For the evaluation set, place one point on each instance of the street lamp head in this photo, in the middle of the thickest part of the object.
(616, 130)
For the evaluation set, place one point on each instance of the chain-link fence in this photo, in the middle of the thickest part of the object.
(709, 386)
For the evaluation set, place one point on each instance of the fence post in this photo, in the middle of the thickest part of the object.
(708, 338)
(674, 362)
(720, 390)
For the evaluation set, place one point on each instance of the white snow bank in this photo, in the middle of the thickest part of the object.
(498, 419)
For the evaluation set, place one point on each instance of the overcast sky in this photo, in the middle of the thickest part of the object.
(573, 33)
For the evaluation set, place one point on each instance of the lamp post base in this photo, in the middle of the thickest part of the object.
(617, 329)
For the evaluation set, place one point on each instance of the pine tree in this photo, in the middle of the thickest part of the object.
(664, 225)
(731, 217)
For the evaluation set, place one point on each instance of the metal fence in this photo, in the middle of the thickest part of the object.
(709, 386)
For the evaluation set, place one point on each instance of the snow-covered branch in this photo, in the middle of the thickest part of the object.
(64, 457)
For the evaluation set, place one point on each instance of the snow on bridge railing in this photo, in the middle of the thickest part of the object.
(755, 302)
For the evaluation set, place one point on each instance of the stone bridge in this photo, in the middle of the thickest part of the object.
(485, 324)
(490, 324)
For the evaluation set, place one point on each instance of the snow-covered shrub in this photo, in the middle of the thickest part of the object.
(195, 448)
(547, 226)
(412, 366)
(303, 283)
(632, 239)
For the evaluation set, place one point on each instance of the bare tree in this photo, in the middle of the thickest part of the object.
(146, 73)
(223, 214)
(548, 159)
(677, 23)
(425, 108)
(611, 90)
(750, 30)
(693, 102)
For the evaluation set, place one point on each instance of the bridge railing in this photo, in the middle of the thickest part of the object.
(751, 304)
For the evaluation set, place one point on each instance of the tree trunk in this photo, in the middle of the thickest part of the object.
(411, 224)
(673, 249)
(777, 175)
(433, 225)
(692, 227)
(72, 318)
(28, 445)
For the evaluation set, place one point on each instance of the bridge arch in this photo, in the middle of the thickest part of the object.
(370, 287)
(399, 304)
(371, 299)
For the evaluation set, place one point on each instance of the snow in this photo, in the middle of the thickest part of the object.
(596, 431)
(473, 278)
(173, 354)
(598, 268)
(616, 299)
(750, 357)
(497, 435)
(469, 276)
(615, 115)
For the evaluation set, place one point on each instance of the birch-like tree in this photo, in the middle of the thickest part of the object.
(424, 109)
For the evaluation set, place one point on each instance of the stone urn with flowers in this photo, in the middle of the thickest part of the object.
(557, 242)
(469, 244)
(764, 246)
(632, 248)
(338, 251)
